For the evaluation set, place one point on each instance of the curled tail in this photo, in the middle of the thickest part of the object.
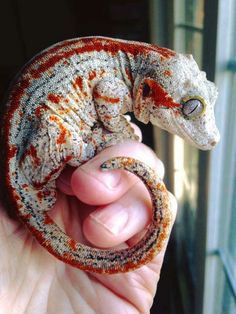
(110, 261)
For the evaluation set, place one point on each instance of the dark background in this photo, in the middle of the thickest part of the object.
(26, 27)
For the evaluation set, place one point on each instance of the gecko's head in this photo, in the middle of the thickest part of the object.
(176, 96)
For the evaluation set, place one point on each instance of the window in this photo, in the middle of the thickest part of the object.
(220, 275)
(198, 169)
(189, 33)
(204, 183)
(221, 242)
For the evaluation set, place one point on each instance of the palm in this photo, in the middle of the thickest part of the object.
(49, 286)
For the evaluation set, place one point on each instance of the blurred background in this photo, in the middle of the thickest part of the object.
(199, 272)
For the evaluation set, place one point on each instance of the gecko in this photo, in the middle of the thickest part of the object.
(68, 103)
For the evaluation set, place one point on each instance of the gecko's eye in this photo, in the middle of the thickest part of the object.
(146, 90)
(193, 107)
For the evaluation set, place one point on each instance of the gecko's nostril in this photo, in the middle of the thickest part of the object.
(213, 143)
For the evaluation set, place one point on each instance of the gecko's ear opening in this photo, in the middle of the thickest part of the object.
(141, 106)
(146, 89)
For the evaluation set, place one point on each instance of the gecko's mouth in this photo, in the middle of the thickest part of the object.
(203, 141)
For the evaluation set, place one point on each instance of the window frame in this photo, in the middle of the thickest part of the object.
(217, 261)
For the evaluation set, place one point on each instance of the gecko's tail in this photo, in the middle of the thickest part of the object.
(111, 261)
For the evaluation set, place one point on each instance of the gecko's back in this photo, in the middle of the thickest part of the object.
(62, 78)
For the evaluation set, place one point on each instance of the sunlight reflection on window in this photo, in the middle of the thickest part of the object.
(179, 172)
(185, 172)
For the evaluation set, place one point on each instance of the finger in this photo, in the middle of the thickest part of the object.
(96, 187)
(115, 223)
(173, 207)
(64, 181)
(126, 219)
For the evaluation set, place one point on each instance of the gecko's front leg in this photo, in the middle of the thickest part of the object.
(112, 99)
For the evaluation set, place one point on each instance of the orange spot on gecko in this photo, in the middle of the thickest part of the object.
(64, 132)
(107, 117)
(92, 75)
(63, 111)
(167, 73)
(78, 83)
(16, 196)
(160, 96)
(72, 244)
(127, 162)
(67, 158)
(106, 98)
(33, 153)
(67, 256)
(48, 220)
(12, 151)
(54, 98)
(162, 237)
(40, 195)
(27, 216)
(82, 125)
(62, 137)
(41, 108)
(161, 187)
(128, 73)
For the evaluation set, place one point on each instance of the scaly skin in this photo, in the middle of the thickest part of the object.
(68, 103)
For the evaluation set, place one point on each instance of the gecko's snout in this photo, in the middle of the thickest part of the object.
(214, 140)
(209, 143)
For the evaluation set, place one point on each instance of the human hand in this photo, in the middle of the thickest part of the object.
(116, 209)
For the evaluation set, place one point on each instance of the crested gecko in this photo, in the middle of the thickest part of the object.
(68, 103)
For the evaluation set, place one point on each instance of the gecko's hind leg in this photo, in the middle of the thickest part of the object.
(46, 155)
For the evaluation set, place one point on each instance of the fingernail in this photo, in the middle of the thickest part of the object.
(114, 218)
